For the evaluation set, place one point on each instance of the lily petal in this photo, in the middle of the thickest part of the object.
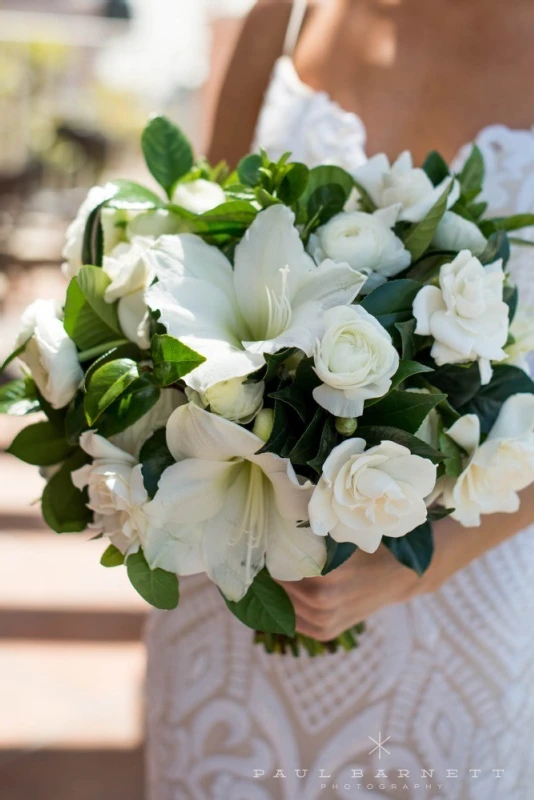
(195, 433)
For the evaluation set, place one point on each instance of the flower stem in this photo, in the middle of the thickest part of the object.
(100, 349)
(279, 643)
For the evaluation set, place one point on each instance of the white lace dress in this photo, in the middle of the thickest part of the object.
(447, 678)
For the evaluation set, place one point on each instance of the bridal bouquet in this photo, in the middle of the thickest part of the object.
(253, 373)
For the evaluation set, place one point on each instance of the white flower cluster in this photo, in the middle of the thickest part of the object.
(225, 507)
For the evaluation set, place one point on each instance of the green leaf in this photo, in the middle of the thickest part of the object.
(131, 405)
(498, 246)
(294, 183)
(407, 335)
(336, 554)
(379, 433)
(272, 363)
(329, 439)
(406, 370)
(454, 463)
(436, 168)
(127, 193)
(157, 586)
(419, 236)
(415, 550)
(41, 445)
(505, 382)
(19, 398)
(229, 219)
(512, 223)
(510, 296)
(128, 350)
(266, 607)
(155, 457)
(307, 446)
(15, 354)
(106, 384)
(63, 505)
(89, 320)
(167, 152)
(112, 557)
(460, 383)
(330, 187)
(427, 268)
(392, 302)
(471, 177)
(437, 512)
(248, 169)
(75, 422)
(404, 410)
(172, 359)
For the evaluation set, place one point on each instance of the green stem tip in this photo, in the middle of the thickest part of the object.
(282, 644)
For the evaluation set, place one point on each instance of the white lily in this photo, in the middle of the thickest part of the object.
(273, 298)
(227, 510)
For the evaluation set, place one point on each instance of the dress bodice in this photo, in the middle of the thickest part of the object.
(309, 124)
(447, 677)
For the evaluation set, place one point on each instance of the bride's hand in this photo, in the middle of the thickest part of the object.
(329, 605)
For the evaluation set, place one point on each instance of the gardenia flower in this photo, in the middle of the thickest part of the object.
(355, 359)
(365, 242)
(198, 196)
(522, 338)
(497, 469)
(117, 494)
(233, 399)
(50, 354)
(273, 298)
(363, 495)
(131, 274)
(227, 510)
(457, 233)
(466, 314)
(72, 251)
(402, 184)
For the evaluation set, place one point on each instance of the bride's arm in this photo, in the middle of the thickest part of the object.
(259, 45)
(329, 605)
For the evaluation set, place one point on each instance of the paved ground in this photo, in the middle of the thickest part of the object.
(71, 660)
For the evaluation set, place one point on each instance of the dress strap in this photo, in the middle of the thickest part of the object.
(296, 19)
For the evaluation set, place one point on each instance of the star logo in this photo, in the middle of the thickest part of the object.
(379, 745)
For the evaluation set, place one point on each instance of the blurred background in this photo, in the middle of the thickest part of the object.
(78, 79)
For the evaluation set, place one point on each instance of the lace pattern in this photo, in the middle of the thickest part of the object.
(448, 677)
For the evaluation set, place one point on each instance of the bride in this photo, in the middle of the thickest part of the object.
(437, 702)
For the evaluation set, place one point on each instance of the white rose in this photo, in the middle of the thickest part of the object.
(456, 233)
(198, 196)
(363, 495)
(466, 314)
(365, 242)
(233, 399)
(402, 184)
(49, 353)
(355, 359)
(131, 274)
(72, 251)
(522, 335)
(497, 469)
(117, 494)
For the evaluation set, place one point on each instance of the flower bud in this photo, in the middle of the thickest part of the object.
(263, 424)
(346, 425)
